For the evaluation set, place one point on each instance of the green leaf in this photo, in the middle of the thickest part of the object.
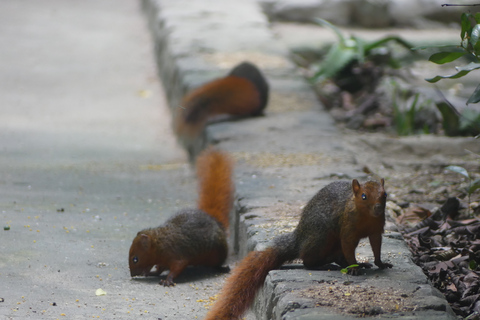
(474, 186)
(336, 59)
(459, 170)
(413, 110)
(470, 122)
(337, 31)
(453, 76)
(476, 46)
(475, 97)
(472, 265)
(345, 270)
(469, 67)
(475, 35)
(450, 119)
(468, 116)
(445, 57)
(360, 49)
(446, 47)
(462, 71)
(477, 17)
(382, 42)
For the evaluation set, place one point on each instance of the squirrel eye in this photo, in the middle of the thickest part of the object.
(364, 196)
(135, 259)
(386, 194)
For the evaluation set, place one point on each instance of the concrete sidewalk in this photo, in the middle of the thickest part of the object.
(87, 160)
(79, 70)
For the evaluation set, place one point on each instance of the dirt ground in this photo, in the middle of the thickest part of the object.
(415, 167)
(446, 246)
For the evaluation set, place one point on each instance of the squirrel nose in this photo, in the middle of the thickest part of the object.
(134, 273)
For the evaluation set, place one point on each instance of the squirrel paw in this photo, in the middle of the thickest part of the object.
(353, 271)
(224, 269)
(383, 265)
(167, 283)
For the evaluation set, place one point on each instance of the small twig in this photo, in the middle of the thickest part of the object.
(460, 5)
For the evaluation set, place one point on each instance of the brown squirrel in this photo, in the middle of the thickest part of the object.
(192, 236)
(243, 92)
(330, 228)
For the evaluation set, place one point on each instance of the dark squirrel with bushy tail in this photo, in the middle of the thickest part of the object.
(192, 236)
(242, 93)
(330, 228)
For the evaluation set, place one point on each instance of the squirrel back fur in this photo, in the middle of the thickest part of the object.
(191, 236)
(330, 227)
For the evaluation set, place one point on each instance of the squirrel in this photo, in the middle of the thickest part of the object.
(330, 228)
(191, 236)
(242, 93)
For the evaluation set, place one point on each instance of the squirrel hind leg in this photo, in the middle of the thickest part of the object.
(312, 263)
(314, 257)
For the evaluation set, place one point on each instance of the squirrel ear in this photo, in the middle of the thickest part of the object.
(145, 241)
(355, 186)
(382, 181)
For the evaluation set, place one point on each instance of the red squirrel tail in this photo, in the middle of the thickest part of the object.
(216, 194)
(250, 72)
(242, 93)
(241, 287)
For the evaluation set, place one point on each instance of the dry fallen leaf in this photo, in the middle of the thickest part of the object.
(100, 292)
(144, 93)
(413, 215)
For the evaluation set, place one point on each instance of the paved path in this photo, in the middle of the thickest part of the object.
(84, 132)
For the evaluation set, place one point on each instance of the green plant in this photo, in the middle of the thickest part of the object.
(472, 265)
(348, 50)
(469, 46)
(472, 185)
(345, 270)
(468, 121)
(455, 123)
(405, 118)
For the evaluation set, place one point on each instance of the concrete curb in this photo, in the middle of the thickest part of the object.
(194, 44)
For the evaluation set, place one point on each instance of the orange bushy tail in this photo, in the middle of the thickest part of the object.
(230, 95)
(214, 171)
(242, 285)
(242, 93)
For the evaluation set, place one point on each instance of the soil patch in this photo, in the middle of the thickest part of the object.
(360, 300)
